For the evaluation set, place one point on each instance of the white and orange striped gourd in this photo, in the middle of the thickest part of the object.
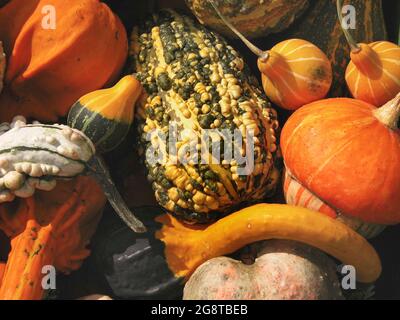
(295, 72)
(373, 74)
(298, 195)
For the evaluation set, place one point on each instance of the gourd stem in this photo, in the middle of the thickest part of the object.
(389, 114)
(352, 43)
(101, 174)
(263, 55)
(398, 40)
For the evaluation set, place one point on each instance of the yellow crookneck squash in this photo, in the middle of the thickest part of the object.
(51, 228)
(49, 69)
(187, 247)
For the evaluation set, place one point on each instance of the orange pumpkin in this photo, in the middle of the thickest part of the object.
(373, 74)
(346, 153)
(49, 69)
(294, 72)
(52, 228)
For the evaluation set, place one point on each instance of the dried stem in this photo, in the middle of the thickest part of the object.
(263, 55)
(350, 40)
(101, 174)
(389, 114)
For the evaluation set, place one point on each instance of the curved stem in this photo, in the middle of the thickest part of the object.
(263, 55)
(352, 43)
(264, 222)
(389, 114)
(101, 174)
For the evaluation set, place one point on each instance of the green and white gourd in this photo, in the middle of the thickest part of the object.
(34, 156)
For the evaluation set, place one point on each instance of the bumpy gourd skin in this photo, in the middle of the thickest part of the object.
(194, 78)
(254, 18)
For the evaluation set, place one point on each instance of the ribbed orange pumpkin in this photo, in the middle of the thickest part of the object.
(346, 152)
(294, 72)
(373, 74)
(49, 69)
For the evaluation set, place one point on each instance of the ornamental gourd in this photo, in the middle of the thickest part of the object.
(34, 156)
(196, 84)
(373, 74)
(320, 25)
(294, 72)
(282, 270)
(342, 158)
(106, 115)
(254, 18)
(156, 264)
(51, 229)
(49, 69)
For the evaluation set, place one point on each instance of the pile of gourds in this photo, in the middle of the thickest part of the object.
(337, 157)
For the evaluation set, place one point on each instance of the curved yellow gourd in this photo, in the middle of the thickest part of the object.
(187, 247)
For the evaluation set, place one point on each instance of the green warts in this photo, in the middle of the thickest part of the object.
(163, 81)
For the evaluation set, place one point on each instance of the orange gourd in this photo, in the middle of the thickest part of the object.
(294, 72)
(344, 155)
(187, 247)
(51, 228)
(373, 74)
(49, 69)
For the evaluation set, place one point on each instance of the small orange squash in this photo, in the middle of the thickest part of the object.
(51, 228)
(49, 69)
(294, 72)
(373, 74)
(345, 153)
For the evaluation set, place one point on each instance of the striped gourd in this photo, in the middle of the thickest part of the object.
(294, 72)
(320, 25)
(298, 195)
(373, 74)
(106, 115)
(195, 79)
(297, 72)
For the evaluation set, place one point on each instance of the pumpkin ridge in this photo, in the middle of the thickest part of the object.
(336, 153)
